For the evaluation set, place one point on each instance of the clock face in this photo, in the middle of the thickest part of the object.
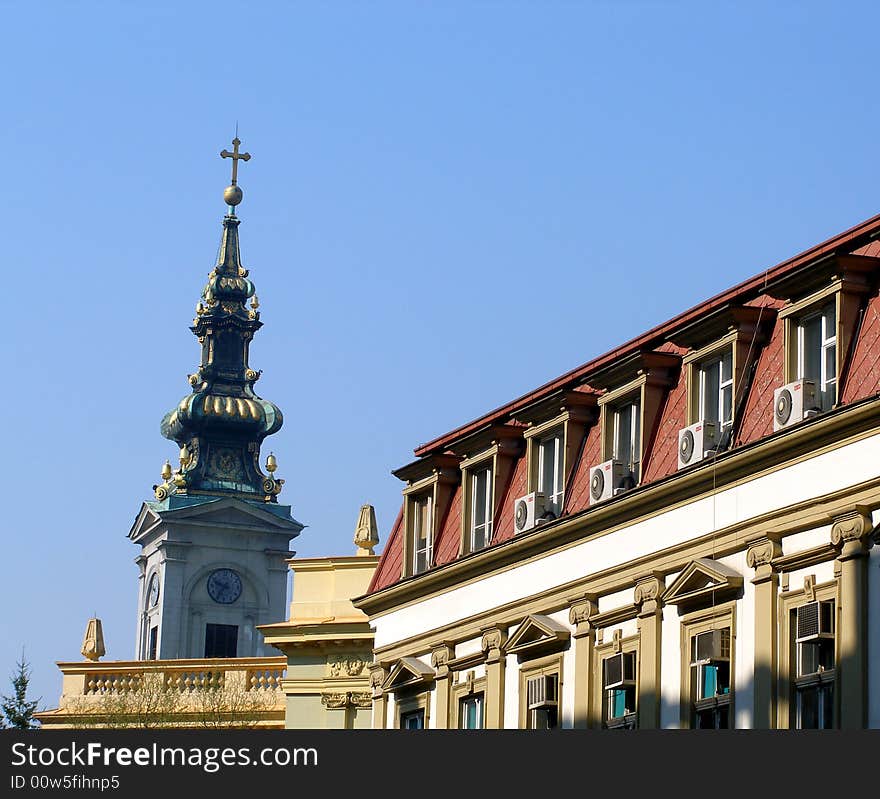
(224, 586)
(153, 591)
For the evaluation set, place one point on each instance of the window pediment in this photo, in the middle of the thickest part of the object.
(703, 578)
(408, 672)
(537, 633)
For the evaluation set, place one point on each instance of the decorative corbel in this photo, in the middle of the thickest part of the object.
(579, 614)
(378, 675)
(335, 700)
(440, 657)
(493, 642)
(647, 594)
(851, 534)
(760, 555)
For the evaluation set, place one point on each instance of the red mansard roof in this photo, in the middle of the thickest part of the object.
(860, 379)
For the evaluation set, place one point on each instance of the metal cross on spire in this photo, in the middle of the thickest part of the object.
(236, 157)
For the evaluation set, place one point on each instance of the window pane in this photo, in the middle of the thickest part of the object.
(827, 706)
(548, 466)
(727, 404)
(623, 440)
(711, 382)
(811, 342)
(808, 708)
(478, 501)
(709, 681)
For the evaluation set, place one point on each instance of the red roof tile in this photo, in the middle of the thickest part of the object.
(390, 565)
(863, 375)
(757, 419)
(662, 457)
(578, 495)
(516, 487)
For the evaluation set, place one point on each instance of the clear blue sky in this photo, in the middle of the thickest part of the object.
(448, 204)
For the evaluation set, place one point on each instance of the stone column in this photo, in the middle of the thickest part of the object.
(493, 648)
(650, 614)
(851, 534)
(759, 556)
(440, 658)
(378, 675)
(584, 645)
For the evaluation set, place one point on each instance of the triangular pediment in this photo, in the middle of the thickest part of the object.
(407, 672)
(536, 632)
(704, 579)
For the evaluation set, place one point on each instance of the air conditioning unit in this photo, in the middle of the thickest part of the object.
(527, 510)
(541, 691)
(696, 442)
(619, 671)
(815, 620)
(794, 402)
(712, 646)
(605, 480)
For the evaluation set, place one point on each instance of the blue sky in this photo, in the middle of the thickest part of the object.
(448, 204)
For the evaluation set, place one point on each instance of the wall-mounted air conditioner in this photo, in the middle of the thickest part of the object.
(606, 479)
(794, 402)
(696, 442)
(541, 691)
(815, 620)
(527, 510)
(619, 671)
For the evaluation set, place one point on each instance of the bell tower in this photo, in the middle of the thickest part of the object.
(215, 541)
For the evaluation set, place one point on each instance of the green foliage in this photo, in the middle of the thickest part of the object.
(17, 710)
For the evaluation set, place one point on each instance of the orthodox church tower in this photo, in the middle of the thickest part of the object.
(214, 543)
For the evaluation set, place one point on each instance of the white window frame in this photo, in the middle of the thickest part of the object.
(633, 407)
(554, 495)
(827, 342)
(427, 550)
(480, 471)
(723, 383)
(477, 698)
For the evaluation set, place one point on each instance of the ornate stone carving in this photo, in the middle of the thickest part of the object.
(334, 701)
(362, 699)
(647, 594)
(366, 533)
(378, 675)
(850, 534)
(493, 641)
(581, 610)
(440, 658)
(760, 555)
(346, 665)
(810, 587)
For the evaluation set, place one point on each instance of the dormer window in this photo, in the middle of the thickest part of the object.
(551, 471)
(431, 483)
(481, 507)
(422, 533)
(715, 387)
(817, 352)
(627, 436)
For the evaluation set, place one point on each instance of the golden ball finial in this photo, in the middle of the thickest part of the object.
(232, 194)
(271, 464)
(166, 470)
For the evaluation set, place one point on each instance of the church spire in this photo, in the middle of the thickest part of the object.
(222, 423)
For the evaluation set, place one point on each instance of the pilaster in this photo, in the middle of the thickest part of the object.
(440, 657)
(851, 535)
(646, 597)
(759, 556)
(584, 645)
(493, 647)
(378, 675)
